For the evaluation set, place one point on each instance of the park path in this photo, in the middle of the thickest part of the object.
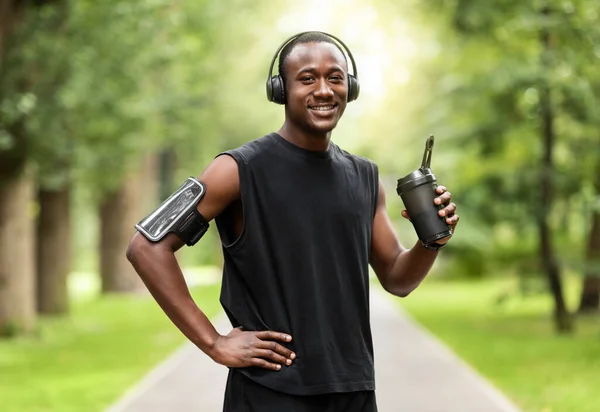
(414, 373)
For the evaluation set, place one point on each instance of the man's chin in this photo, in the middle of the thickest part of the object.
(323, 127)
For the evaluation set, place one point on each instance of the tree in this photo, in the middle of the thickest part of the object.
(510, 82)
(547, 252)
(51, 150)
(17, 78)
(115, 61)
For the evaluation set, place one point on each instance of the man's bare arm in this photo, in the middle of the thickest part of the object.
(159, 270)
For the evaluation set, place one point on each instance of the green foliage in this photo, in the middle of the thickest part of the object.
(31, 78)
(102, 84)
(113, 62)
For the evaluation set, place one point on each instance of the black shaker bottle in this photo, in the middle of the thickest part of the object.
(417, 191)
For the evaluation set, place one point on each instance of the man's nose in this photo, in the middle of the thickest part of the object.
(323, 89)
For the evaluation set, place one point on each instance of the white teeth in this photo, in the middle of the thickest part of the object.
(322, 108)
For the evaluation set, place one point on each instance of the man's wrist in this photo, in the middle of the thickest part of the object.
(213, 349)
(434, 247)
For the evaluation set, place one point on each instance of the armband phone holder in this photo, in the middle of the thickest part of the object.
(177, 214)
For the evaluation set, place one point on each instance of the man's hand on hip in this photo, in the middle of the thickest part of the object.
(241, 349)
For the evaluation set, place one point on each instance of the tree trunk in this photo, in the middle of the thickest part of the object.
(17, 304)
(150, 184)
(53, 251)
(563, 321)
(119, 212)
(9, 16)
(167, 168)
(17, 268)
(590, 294)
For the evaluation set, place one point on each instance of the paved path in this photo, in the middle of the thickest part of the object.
(414, 373)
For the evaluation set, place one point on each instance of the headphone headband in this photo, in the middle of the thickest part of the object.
(294, 37)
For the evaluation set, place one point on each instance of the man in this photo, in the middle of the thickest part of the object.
(300, 221)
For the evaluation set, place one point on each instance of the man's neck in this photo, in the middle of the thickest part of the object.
(304, 139)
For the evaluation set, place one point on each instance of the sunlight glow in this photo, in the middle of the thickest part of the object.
(381, 52)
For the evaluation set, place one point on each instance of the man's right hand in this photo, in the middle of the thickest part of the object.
(241, 349)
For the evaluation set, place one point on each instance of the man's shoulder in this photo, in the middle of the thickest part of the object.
(357, 159)
(250, 150)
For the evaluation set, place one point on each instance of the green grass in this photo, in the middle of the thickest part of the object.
(512, 342)
(85, 361)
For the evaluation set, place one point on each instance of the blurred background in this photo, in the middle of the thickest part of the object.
(106, 107)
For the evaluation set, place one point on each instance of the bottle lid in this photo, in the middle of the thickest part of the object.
(414, 179)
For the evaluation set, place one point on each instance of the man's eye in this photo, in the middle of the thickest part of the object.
(306, 79)
(336, 78)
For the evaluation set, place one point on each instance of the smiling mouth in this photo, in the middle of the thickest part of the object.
(323, 107)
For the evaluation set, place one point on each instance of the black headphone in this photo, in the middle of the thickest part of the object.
(275, 84)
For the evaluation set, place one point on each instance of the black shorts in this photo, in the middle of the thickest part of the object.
(244, 395)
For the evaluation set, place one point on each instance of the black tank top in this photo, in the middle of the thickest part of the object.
(300, 265)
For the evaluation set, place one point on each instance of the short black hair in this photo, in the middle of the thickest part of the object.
(309, 37)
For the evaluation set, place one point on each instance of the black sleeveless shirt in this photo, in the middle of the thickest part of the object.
(300, 265)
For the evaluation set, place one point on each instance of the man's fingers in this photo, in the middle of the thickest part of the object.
(453, 220)
(443, 199)
(448, 210)
(268, 339)
(271, 355)
(270, 335)
(262, 363)
(276, 347)
(405, 214)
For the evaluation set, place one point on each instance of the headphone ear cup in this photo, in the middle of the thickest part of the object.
(275, 90)
(269, 85)
(353, 88)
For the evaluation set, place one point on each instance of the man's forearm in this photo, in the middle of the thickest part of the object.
(160, 272)
(409, 269)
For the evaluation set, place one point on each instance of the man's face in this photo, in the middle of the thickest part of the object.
(316, 86)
